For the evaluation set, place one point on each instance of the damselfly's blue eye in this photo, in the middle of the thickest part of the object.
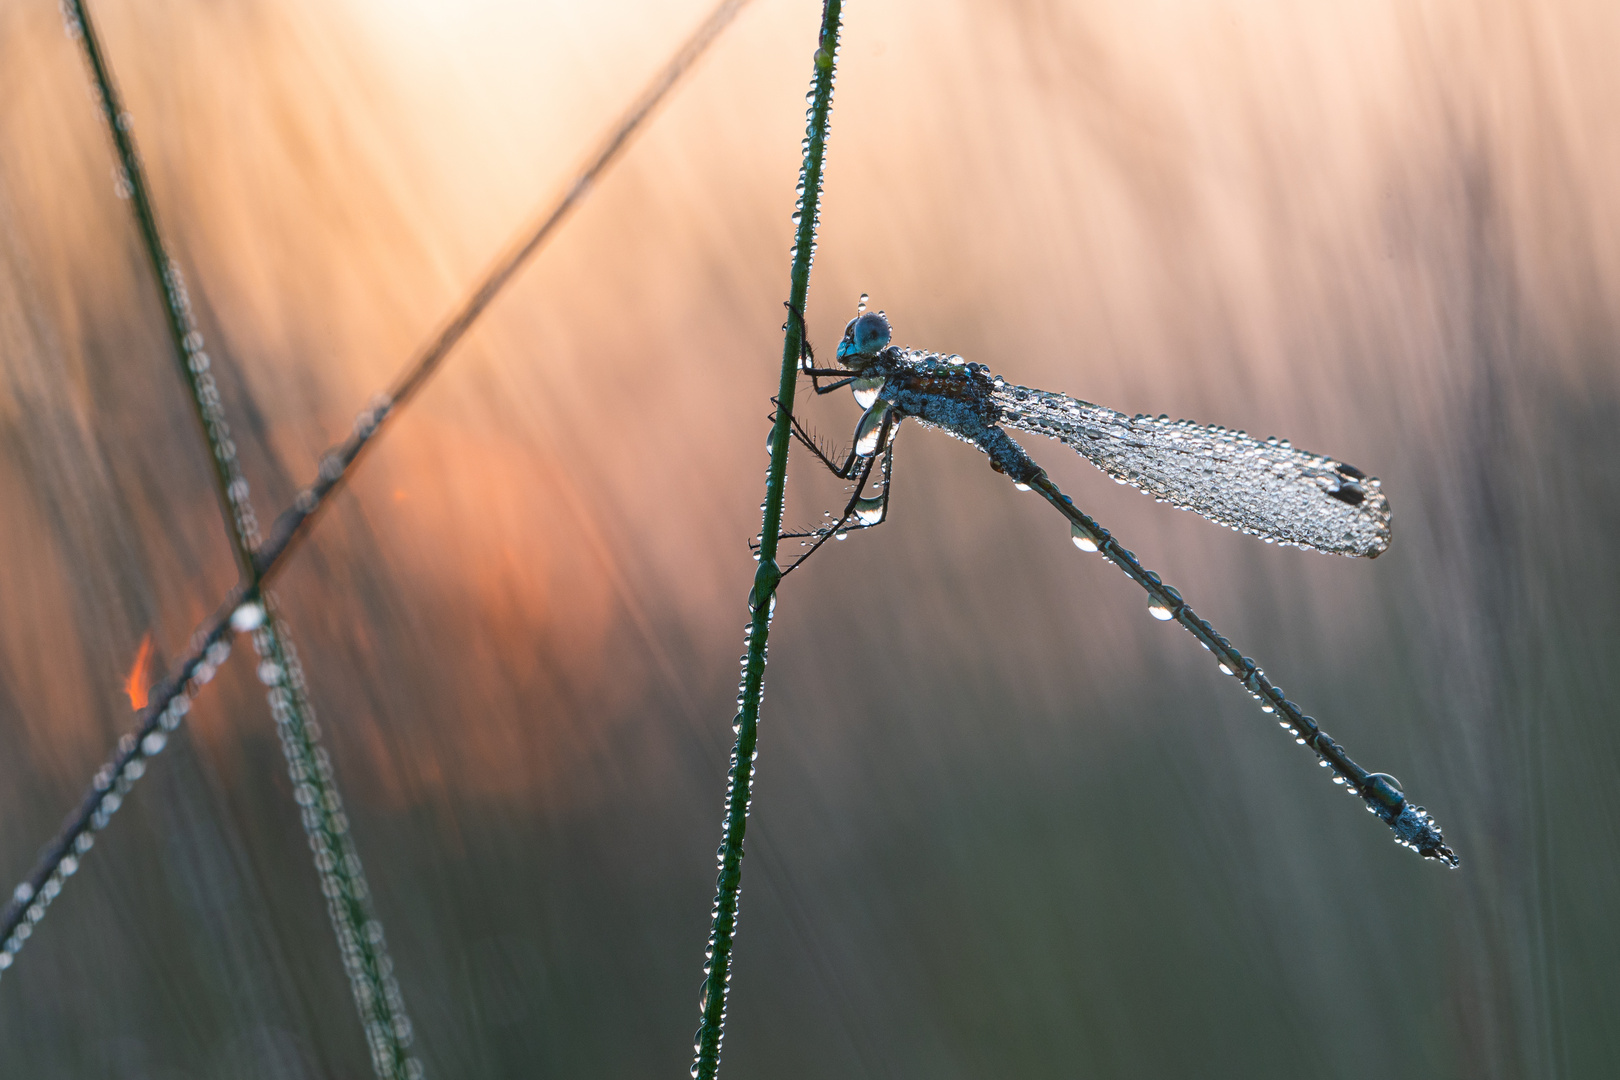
(866, 335)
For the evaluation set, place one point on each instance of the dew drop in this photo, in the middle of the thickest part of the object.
(866, 391)
(1082, 539)
(248, 617)
(870, 428)
(1159, 611)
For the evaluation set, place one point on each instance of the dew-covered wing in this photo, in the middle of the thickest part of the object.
(1262, 487)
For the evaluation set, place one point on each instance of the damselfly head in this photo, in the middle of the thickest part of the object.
(865, 336)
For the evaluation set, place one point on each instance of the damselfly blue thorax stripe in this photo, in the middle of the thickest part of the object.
(1266, 488)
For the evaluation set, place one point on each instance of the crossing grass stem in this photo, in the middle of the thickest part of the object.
(170, 700)
(360, 939)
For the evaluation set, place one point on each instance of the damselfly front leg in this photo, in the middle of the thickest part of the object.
(807, 360)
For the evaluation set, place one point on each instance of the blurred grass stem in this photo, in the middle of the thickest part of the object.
(169, 700)
(337, 862)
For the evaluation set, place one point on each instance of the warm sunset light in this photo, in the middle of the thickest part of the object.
(458, 558)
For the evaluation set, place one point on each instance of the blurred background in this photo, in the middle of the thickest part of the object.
(1005, 823)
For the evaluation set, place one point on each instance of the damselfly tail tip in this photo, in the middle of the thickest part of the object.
(1416, 828)
(1444, 855)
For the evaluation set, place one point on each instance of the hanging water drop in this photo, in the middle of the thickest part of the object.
(870, 429)
(866, 391)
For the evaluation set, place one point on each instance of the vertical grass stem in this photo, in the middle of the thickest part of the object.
(762, 597)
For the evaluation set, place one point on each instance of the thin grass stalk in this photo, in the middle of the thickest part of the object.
(169, 701)
(762, 597)
(167, 705)
(359, 935)
(230, 486)
(343, 882)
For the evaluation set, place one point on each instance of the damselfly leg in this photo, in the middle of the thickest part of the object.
(807, 359)
(862, 511)
(873, 450)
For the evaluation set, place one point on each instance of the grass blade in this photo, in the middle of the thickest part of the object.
(762, 597)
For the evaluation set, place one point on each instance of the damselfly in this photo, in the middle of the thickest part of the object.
(1266, 488)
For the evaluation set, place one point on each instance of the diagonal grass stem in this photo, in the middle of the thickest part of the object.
(167, 705)
(230, 486)
(337, 460)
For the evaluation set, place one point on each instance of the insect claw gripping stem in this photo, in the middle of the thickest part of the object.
(1412, 825)
(807, 353)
